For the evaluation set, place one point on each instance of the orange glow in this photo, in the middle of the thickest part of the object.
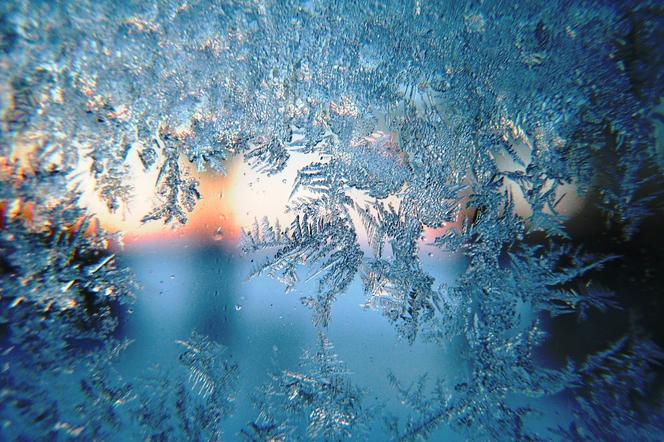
(465, 213)
(228, 203)
(232, 202)
(211, 219)
(251, 195)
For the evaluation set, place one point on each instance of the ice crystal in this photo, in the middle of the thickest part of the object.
(106, 397)
(460, 120)
(317, 402)
(178, 191)
(175, 407)
(160, 405)
(326, 240)
(60, 282)
(612, 388)
(60, 293)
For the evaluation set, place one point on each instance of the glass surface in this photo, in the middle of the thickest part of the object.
(276, 220)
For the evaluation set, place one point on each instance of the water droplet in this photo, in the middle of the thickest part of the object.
(284, 181)
(219, 234)
(172, 276)
(221, 195)
(238, 307)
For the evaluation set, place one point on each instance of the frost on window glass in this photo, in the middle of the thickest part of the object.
(521, 139)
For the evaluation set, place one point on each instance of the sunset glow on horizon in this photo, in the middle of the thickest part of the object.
(233, 202)
(228, 204)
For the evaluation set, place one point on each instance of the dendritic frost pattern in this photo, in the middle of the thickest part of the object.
(460, 124)
(317, 402)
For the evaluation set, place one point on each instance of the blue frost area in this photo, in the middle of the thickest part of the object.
(471, 249)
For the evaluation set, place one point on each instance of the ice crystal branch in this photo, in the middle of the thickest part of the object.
(175, 406)
(469, 118)
(613, 388)
(317, 402)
